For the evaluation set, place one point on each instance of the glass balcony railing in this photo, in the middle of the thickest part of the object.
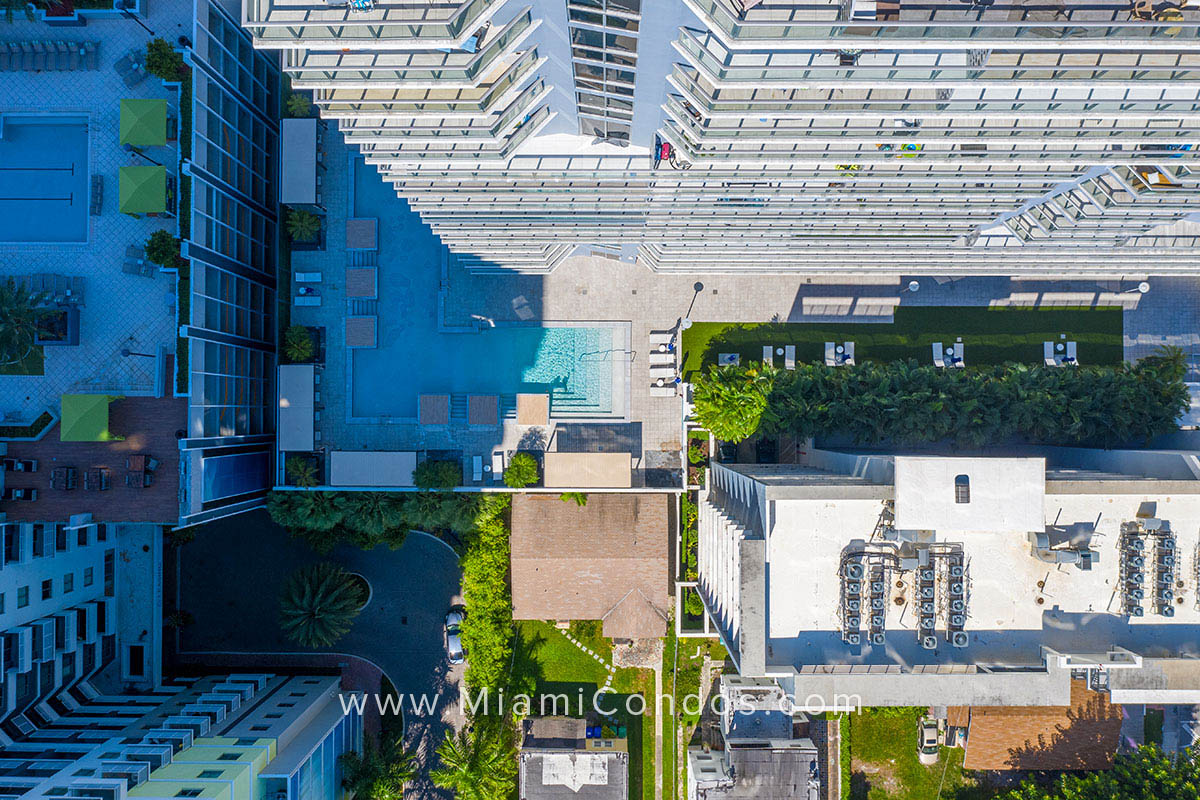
(274, 23)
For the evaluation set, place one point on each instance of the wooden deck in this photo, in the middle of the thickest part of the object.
(148, 425)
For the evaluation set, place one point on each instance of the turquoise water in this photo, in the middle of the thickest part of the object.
(572, 364)
(44, 179)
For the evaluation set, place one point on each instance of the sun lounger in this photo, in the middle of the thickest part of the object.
(89, 55)
(39, 57)
(307, 300)
(1071, 354)
(789, 356)
(307, 277)
(729, 359)
(660, 337)
(830, 354)
(498, 465)
(73, 56)
(848, 356)
(667, 372)
(768, 355)
(663, 391)
(26, 56)
(938, 355)
(959, 359)
(476, 468)
(1048, 354)
(97, 198)
(5, 59)
(660, 359)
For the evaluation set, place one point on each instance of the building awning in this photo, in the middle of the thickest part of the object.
(371, 468)
(296, 408)
(298, 161)
(143, 122)
(588, 471)
(142, 190)
(85, 418)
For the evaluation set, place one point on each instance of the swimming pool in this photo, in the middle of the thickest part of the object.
(574, 364)
(43, 179)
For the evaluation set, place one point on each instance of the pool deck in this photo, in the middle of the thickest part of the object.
(120, 310)
(595, 289)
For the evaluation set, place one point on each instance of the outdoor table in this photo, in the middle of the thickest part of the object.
(62, 478)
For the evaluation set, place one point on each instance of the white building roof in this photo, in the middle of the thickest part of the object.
(298, 161)
(296, 408)
(1003, 495)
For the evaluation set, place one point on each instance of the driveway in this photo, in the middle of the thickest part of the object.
(230, 579)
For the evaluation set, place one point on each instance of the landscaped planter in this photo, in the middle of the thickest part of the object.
(58, 327)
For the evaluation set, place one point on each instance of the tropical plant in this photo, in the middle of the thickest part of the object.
(522, 471)
(297, 344)
(301, 471)
(299, 105)
(1146, 773)
(437, 475)
(163, 60)
(480, 762)
(578, 498)
(302, 225)
(162, 248)
(487, 632)
(178, 619)
(315, 511)
(730, 401)
(19, 316)
(378, 517)
(318, 604)
(24, 6)
(696, 455)
(379, 772)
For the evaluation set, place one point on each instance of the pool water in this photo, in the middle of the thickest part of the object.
(43, 179)
(573, 364)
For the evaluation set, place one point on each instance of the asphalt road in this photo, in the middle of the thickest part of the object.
(231, 578)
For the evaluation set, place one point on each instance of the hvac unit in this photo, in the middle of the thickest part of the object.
(853, 571)
(853, 587)
(957, 620)
(853, 605)
(877, 604)
(1136, 611)
(927, 575)
(927, 608)
(927, 593)
(956, 588)
(852, 638)
(877, 620)
(1167, 611)
(957, 606)
(877, 587)
(852, 621)
(929, 642)
(877, 639)
(959, 639)
(956, 571)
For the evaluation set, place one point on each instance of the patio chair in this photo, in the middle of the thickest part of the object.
(39, 56)
(830, 354)
(1072, 354)
(498, 465)
(89, 55)
(5, 58)
(476, 468)
(768, 355)
(659, 359)
(789, 356)
(1048, 354)
(151, 463)
(938, 355)
(27, 56)
(661, 337)
(848, 356)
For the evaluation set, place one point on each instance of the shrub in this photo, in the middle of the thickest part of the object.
(162, 248)
(301, 471)
(163, 60)
(437, 475)
(522, 471)
(578, 498)
(696, 455)
(318, 605)
(487, 631)
(297, 344)
(730, 401)
(299, 105)
(303, 226)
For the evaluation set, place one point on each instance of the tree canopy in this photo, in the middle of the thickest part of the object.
(1144, 774)
(480, 762)
(318, 605)
(379, 772)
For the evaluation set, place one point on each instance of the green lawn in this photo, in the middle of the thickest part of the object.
(34, 363)
(545, 663)
(883, 751)
(991, 336)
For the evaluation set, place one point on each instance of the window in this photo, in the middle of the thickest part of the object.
(189, 793)
(231, 756)
(89, 576)
(260, 727)
(1, 602)
(47, 589)
(68, 583)
(273, 716)
(207, 774)
(22, 597)
(246, 741)
(962, 489)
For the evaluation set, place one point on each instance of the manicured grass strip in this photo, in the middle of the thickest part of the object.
(34, 363)
(991, 336)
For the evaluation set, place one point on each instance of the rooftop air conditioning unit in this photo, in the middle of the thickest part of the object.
(1136, 544)
(957, 606)
(877, 638)
(956, 571)
(853, 570)
(852, 638)
(959, 639)
(877, 604)
(927, 593)
(929, 642)
(853, 605)
(927, 575)
(1137, 562)
(1167, 560)
(877, 587)
(853, 587)
(1136, 611)
(877, 620)
(1167, 611)
(1166, 595)
(852, 621)
(1136, 593)
(1135, 578)
(956, 588)
(1167, 544)
(927, 608)
(957, 620)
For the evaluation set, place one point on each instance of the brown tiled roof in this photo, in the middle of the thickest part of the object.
(607, 560)
(433, 409)
(483, 409)
(1081, 736)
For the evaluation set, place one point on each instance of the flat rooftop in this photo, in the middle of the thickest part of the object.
(1016, 603)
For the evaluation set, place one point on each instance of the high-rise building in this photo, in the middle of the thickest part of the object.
(958, 137)
(227, 737)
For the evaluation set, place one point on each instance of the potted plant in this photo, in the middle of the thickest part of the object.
(164, 60)
(162, 248)
(522, 471)
(303, 226)
(298, 344)
(299, 106)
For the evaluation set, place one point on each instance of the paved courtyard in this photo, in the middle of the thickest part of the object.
(120, 311)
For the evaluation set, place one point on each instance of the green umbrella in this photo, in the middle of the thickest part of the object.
(144, 122)
(85, 418)
(142, 190)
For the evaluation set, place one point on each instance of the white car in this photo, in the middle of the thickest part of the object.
(454, 648)
(927, 741)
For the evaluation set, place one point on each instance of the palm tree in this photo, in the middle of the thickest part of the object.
(19, 314)
(318, 604)
(480, 763)
(375, 515)
(378, 773)
(302, 471)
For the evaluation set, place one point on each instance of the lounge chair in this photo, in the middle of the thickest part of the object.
(39, 57)
(667, 372)
(476, 468)
(830, 354)
(938, 355)
(1072, 354)
(1048, 354)
(5, 58)
(62, 57)
(657, 359)
(89, 55)
(848, 356)
(959, 360)
(307, 277)
(661, 337)
(97, 198)
(27, 54)
(789, 356)
(663, 391)
(498, 465)
(73, 56)
(768, 355)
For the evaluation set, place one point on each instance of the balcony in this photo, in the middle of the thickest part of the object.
(288, 24)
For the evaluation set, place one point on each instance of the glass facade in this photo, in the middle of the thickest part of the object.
(320, 776)
(604, 57)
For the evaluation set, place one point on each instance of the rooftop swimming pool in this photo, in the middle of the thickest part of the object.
(43, 179)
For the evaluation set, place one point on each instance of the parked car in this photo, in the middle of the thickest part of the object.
(453, 637)
(927, 741)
